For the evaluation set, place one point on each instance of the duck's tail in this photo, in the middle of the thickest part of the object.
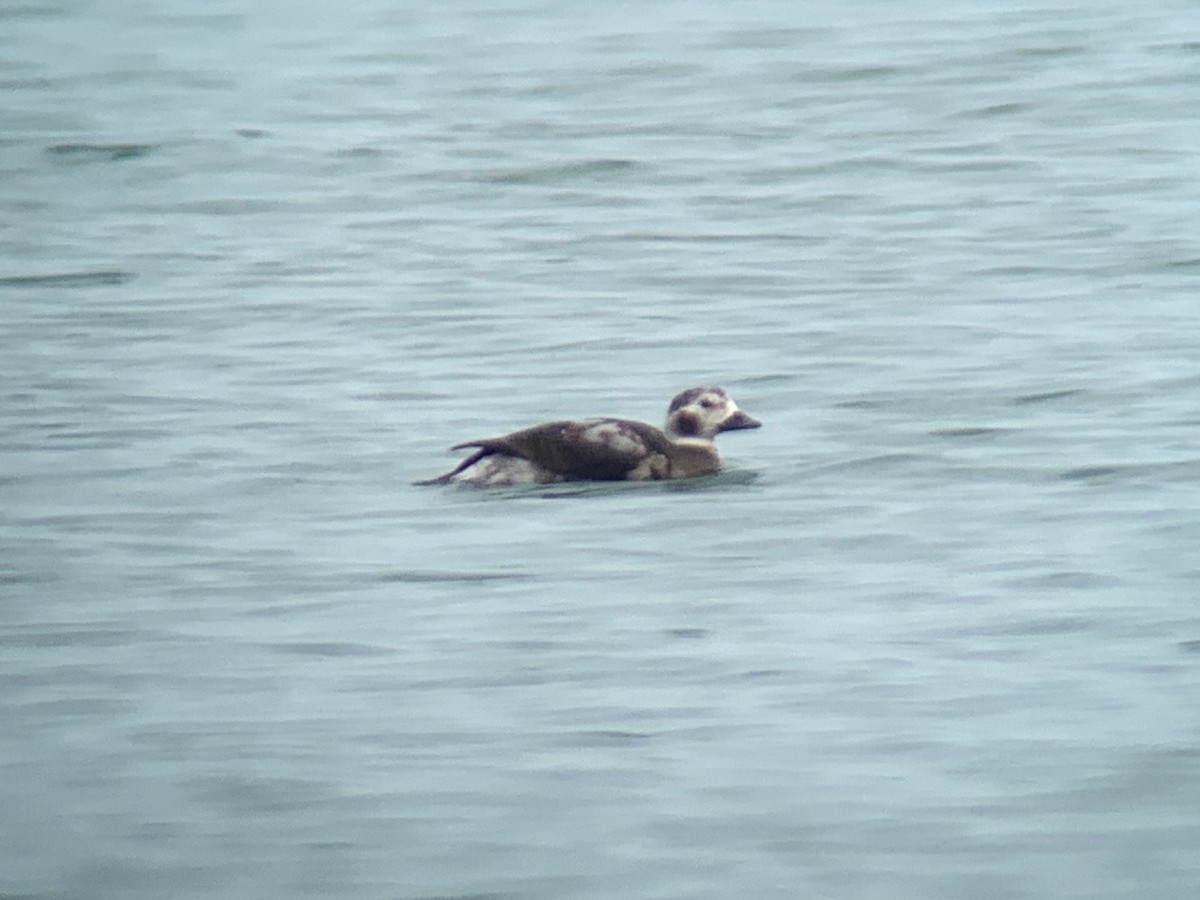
(461, 467)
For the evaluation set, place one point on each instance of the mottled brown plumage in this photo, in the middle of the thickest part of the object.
(607, 449)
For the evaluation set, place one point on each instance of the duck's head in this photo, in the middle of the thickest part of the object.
(704, 412)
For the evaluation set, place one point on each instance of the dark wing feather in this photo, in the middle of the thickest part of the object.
(592, 449)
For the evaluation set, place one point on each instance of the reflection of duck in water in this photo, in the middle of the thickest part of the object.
(607, 449)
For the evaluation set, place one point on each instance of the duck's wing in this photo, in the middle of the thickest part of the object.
(590, 449)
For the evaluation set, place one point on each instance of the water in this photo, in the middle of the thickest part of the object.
(933, 634)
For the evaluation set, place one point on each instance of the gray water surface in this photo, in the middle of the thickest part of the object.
(932, 634)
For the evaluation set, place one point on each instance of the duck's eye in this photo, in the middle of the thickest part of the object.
(708, 403)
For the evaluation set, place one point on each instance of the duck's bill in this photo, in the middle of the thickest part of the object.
(738, 421)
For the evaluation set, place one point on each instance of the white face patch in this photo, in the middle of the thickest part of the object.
(702, 417)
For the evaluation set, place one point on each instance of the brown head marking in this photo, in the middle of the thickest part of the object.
(683, 398)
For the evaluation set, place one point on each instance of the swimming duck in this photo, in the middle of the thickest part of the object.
(607, 449)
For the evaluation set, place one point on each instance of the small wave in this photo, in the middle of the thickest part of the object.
(549, 174)
(1190, 263)
(877, 461)
(607, 737)
(980, 431)
(331, 648)
(72, 637)
(417, 576)
(12, 577)
(1058, 581)
(67, 279)
(85, 152)
(992, 110)
(1158, 471)
(1046, 396)
(1093, 472)
(687, 633)
(850, 72)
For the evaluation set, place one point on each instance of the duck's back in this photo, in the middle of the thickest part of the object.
(588, 449)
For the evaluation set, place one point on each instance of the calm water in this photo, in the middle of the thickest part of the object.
(934, 634)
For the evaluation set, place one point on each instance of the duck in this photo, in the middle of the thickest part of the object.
(606, 449)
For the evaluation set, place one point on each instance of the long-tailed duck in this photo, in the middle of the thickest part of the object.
(607, 449)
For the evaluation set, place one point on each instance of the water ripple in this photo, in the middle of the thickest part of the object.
(562, 172)
(415, 576)
(68, 279)
(83, 152)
